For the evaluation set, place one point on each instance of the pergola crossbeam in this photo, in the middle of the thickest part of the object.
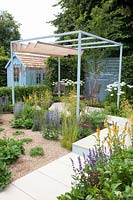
(102, 46)
(87, 44)
(72, 40)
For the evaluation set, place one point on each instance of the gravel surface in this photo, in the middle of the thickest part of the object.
(26, 163)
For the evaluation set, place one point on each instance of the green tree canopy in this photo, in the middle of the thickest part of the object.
(9, 30)
(74, 14)
(3, 61)
(113, 20)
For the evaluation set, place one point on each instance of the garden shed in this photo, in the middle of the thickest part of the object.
(28, 69)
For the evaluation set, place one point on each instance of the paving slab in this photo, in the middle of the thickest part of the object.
(13, 193)
(59, 172)
(40, 186)
(67, 159)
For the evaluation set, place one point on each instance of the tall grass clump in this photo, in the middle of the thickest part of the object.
(69, 121)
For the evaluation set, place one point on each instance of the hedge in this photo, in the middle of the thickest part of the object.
(21, 91)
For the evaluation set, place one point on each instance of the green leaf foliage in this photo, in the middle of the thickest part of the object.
(22, 92)
(5, 176)
(3, 74)
(9, 30)
(36, 151)
(10, 150)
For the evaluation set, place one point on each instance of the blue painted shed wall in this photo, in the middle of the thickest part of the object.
(31, 76)
(22, 79)
(27, 76)
(107, 76)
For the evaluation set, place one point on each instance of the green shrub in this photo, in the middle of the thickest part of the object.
(36, 151)
(26, 120)
(93, 119)
(21, 92)
(50, 133)
(1, 129)
(5, 176)
(18, 133)
(84, 132)
(111, 109)
(28, 123)
(17, 123)
(10, 150)
(26, 140)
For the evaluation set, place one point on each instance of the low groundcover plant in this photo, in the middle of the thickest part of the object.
(36, 151)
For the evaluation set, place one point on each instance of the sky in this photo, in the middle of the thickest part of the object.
(33, 16)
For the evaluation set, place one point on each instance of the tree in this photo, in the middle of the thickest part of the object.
(9, 30)
(113, 20)
(75, 14)
(3, 61)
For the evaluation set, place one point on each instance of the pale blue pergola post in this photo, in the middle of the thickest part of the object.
(119, 77)
(78, 77)
(59, 77)
(12, 74)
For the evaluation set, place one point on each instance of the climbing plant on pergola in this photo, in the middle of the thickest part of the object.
(83, 40)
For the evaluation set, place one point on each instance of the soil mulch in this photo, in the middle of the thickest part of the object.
(26, 164)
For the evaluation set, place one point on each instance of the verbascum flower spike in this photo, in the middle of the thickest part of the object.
(109, 131)
(98, 132)
(123, 141)
(106, 124)
(131, 118)
(115, 129)
(125, 128)
(129, 131)
(109, 142)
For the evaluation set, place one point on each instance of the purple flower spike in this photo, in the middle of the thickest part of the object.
(80, 163)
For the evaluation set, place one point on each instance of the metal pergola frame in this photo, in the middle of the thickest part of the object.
(80, 45)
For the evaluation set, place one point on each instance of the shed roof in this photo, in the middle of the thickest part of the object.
(29, 60)
(33, 60)
(43, 48)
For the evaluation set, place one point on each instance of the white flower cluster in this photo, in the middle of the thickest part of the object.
(68, 82)
(114, 87)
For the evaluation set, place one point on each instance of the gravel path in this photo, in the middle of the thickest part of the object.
(26, 163)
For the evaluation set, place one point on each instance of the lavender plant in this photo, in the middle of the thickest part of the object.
(52, 125)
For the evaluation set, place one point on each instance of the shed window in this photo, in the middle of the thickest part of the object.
(38, 77)
(16, 74)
